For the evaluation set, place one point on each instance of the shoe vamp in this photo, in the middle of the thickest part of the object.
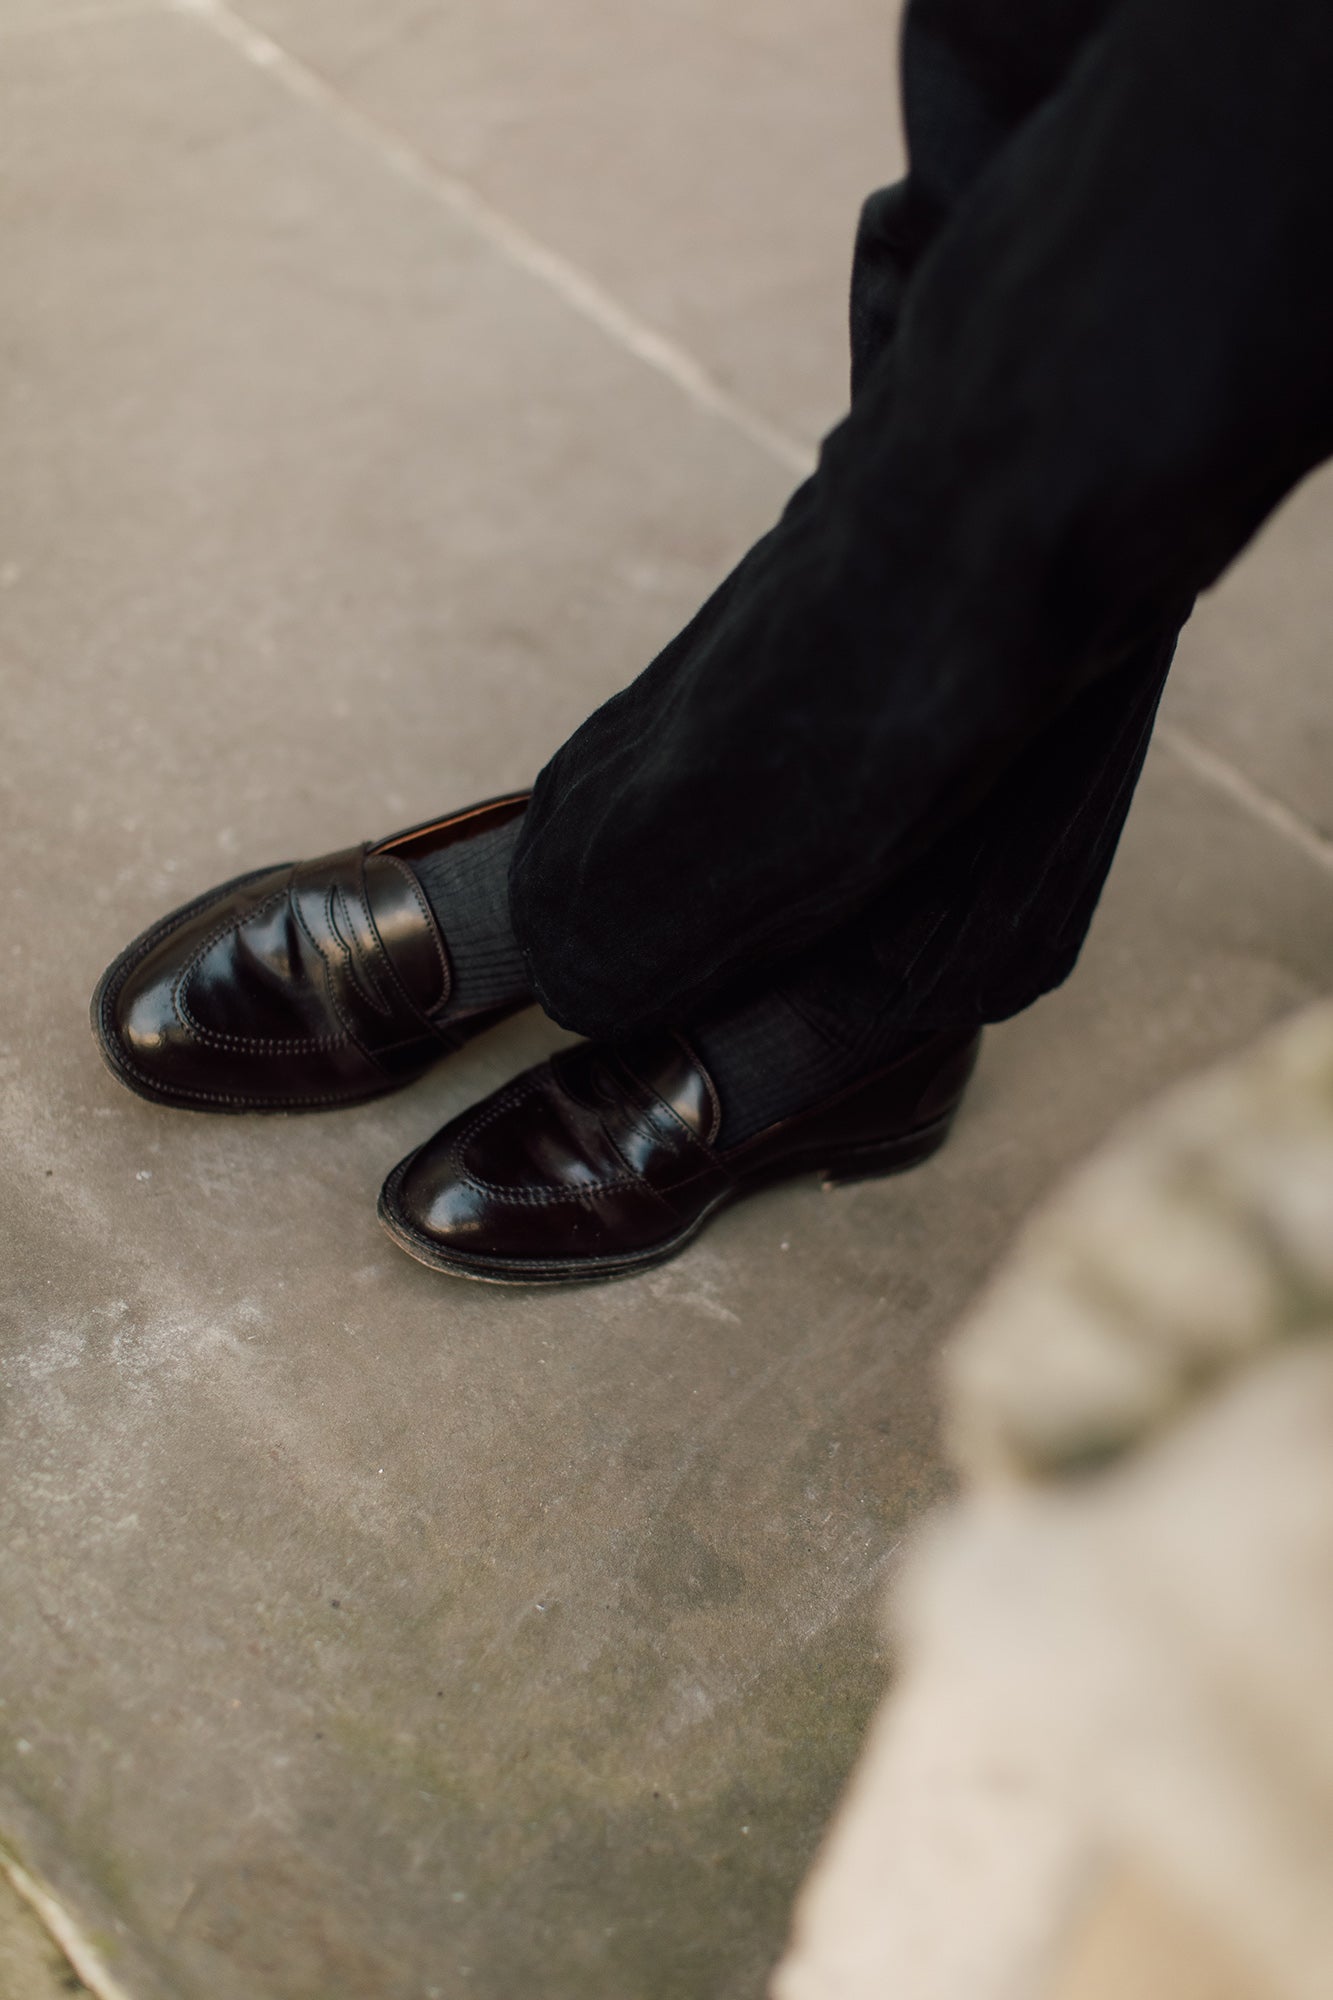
(537, 1178)
(541, 1148)
(262, 979)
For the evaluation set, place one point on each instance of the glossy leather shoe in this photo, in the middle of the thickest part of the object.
(309, 984)
(601, 1161)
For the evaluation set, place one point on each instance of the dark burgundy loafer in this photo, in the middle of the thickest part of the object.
(601, 1161)
(309, 984)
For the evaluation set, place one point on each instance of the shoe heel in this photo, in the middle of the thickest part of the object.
(885, 1156)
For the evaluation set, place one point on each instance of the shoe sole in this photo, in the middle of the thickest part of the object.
(102, 1017)
(873, 1160)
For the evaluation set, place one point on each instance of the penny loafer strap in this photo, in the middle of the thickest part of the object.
(367, 984)
(640, 1108)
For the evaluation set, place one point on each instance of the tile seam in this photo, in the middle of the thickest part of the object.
(635, 337)
(558, 273)
(1231, 782)
(63, 1932)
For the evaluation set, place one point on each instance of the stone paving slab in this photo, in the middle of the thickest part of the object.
(705, 163)
(368, 1633)
(1254, 680)
(378, 1635)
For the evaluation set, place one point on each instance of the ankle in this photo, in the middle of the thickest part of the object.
(771, 1059)
(467, 887)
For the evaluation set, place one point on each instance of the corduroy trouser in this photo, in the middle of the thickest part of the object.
(1092, 347)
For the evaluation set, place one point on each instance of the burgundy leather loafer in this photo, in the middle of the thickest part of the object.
(309, 984)
(601, 1161)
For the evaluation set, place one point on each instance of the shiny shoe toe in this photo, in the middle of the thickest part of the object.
(602, 1161)
(304, 985)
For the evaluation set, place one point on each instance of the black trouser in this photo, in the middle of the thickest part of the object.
(1092, 347)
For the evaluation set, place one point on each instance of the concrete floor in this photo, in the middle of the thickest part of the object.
(377, 398)
(32, 1966)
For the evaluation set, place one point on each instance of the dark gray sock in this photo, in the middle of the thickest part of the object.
(780, 1053)
(467, 886)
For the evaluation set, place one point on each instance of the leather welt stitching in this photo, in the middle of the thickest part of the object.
(715, 1102)
(529, 1086)
(330, 983)
(633, 1172)
(637, 1179)
(354, 959)
(275, 1044)
(432, 931)
(655, 1106)
(175, 920)
(244, 1103)
(649, 1105)
(698, 1161)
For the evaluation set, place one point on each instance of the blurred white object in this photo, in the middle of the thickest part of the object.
(1107, 1765)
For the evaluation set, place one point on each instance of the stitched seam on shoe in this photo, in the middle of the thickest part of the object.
(349, 1032)
(157, 1093)
(147, 941)
(381, 1048)
(381, 952)
(625, 1263)
(276, 1044)
(336, 899)
(636, 1179)
(520, 1197)
(433, 931)
(696, 1168)
(631, 1173)
(715, 1122)
(651, 1103)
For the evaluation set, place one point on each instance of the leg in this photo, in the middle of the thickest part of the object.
(893, 754)
(990, 919)
(1094, 394)
(346, 976)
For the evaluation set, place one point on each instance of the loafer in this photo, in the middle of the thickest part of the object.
(303, 985)
(602, 1161)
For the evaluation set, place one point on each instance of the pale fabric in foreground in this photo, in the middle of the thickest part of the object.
(1107, 1764)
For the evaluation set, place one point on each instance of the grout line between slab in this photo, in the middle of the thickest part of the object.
(575, 287)
(586, 297)
(64, 1933)
(1224, 777)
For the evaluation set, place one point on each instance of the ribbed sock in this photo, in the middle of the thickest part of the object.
(467, 886)
(780, 1053)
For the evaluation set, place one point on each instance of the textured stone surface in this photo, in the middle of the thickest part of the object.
(368, 1633)
(705, 163)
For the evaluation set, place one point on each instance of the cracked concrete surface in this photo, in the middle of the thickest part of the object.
(367, 1634)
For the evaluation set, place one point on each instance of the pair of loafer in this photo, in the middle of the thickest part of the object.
(314, 984)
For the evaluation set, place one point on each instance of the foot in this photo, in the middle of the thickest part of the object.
(605, 1160)
(317, 983)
